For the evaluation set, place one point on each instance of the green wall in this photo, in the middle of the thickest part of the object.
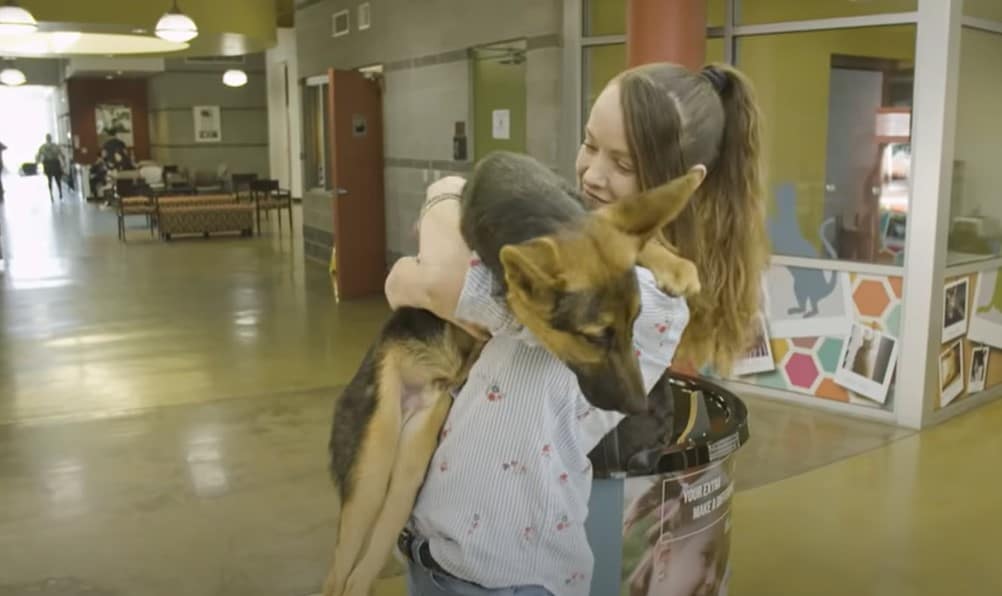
(608, 17)
(984, 9)
(979, 128)
(498, 86)
(771, 11)
(791, 75)
(604, 62)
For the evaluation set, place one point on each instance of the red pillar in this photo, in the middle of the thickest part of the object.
(666, 31)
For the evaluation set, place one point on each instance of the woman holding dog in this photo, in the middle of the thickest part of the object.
(474, 528)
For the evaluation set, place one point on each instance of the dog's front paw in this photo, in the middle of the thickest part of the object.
(680, 279)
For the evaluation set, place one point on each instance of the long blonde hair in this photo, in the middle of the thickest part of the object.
(676, 119)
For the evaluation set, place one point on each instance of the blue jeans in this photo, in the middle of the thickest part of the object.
(422, 581)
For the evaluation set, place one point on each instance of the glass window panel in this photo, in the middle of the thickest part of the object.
(834, 190)
(608, 17)
(757, 12)
(976, 206)
(601, 63)
(984, 9)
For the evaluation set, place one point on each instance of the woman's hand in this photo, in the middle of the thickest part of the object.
(434, 279)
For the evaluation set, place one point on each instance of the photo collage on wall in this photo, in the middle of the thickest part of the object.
(828, 334)
(972, 336)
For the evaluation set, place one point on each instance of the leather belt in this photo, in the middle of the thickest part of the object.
(405, 542)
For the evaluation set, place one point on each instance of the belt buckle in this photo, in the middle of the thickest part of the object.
(405, 541)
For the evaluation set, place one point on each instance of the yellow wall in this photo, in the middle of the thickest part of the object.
(771, 11)
(604, 62)
(791, 73)
(979, 128)
(498, 86)
(984, 9)
(608, 17)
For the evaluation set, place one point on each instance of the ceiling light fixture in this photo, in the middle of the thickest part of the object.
(234, 78)
(15, 20)
(12, 77)
(176, 26)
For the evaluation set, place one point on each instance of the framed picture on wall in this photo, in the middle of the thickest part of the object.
(807, 302)
(979, 369)
(758, 358)
(955, 309)
(114, 120)
(951, 373)
(208, 124)
(866, 365)
(985, 326)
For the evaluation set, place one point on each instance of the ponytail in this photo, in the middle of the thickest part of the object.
(733, 246)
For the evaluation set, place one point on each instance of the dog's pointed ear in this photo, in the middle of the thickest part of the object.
(642, 215)
(532, 266)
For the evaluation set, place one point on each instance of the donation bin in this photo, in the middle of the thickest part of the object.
(659, 516)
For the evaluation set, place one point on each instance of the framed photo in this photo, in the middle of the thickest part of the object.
(951, 373)
(985, 325)
(208, 124)
(979, 369)
(894, 232)
(114, 119)
(807, 302)
(866, 365)
(758, 359)
(955, 309)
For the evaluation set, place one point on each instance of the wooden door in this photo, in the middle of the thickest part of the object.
(356, 169)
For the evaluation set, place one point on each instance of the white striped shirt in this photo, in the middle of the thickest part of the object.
(506, 495)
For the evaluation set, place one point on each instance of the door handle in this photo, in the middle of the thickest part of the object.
(341, 191)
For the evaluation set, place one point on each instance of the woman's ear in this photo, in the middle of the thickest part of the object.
(700, 170)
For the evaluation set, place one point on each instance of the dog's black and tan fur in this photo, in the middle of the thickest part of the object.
(567, 276)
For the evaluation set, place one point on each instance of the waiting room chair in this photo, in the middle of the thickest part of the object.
(269, 197)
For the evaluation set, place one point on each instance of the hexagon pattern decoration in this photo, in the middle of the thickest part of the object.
(807, 365)
(806, 343)
(828, 389)
(802, 370)
(871, 298)
(829, 353)
(780, 347)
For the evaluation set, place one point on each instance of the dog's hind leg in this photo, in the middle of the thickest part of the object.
(371, 477)
(418, 440)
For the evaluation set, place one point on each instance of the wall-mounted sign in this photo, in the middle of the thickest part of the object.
(894, 125)
(208, 124)
(359, 126)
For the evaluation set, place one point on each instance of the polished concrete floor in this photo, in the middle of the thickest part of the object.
(164, 410)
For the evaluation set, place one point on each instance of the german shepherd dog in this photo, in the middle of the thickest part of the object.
(567, 276)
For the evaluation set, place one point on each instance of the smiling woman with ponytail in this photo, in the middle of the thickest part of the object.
(676, 119)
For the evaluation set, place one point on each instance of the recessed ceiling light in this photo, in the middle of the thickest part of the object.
(140, 31)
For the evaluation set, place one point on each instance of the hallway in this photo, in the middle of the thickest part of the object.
(94, 327)
(164, 411)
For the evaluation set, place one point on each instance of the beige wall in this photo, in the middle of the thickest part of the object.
(423, 47)
(173, 94)
(285, 131)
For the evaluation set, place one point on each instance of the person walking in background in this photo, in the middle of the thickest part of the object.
(2, 149)
(51, 157)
